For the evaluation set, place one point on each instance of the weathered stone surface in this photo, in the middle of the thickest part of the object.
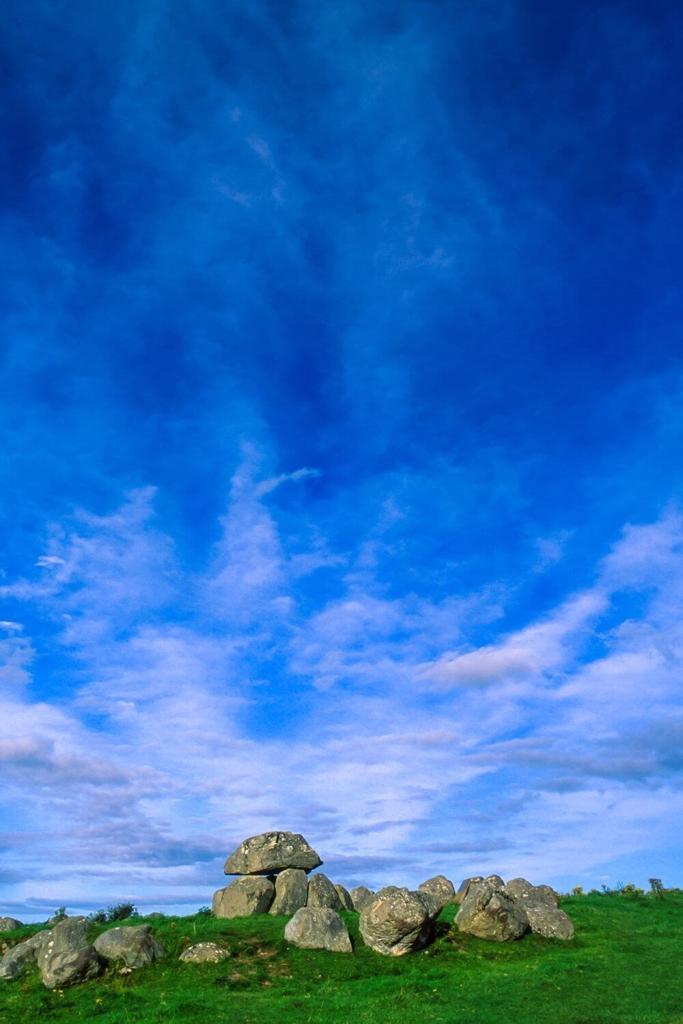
(322, 893)
(441, 888)
(71, 967)
(21, 956)
(8, 924)
(204, 953)
(551, 922)
(397, 921)
(271, 852)
(66, 957)
(243, 897)
(465, 885)
(291, 891)
(489, 913)
(134, 946)
(521, 889)
(318, 928)
(360, 896)
(344, 897)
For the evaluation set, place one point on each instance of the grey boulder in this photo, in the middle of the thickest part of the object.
(550, 922)
(318, 928)
(204, 953)
(243, 898)
(465, 886)
(133, 946)
(521, 889)
(66, 957)
(322, 893)
(271, 852)
(21, 956)
(8, 924)
(440, 888)
(361, 895)
(396, 922)
(489, 913)
(291, 891)
(344, 897)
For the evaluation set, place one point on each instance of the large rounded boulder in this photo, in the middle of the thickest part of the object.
(541, 904)
(318, 928)
(489, 913)
(270, 852)
(396, 922)
(132, 946)
(243, 898)
(440, 888)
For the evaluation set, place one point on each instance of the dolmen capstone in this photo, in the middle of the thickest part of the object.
(490, 909)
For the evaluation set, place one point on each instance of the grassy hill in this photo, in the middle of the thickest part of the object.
(624, 967)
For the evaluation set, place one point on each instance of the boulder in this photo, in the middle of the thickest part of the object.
(243, 897)
(396, 922)
(441, 888)
(204, 953)
(291, 891)
(271, 852)
(8, 924)
(550, 922)
(322, 893)
(489, 913)
(134, 946)
(71, 967)
(66, 957)
(344, 897)
(318, 928)
(521, 889)
(360, 896)
(21, 956)
(465, 885)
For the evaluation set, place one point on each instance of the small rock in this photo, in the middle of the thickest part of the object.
(8, 924)
(322, 893)
(243, 898)
(135, 946)
(318, 928)
(396, 922)
(360, 896)
(291, 891)
(344, 897)
(204, 953)
(271, 852)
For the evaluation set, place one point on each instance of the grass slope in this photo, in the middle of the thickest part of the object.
(624, 967)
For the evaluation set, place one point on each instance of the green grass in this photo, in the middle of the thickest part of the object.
(624, 967)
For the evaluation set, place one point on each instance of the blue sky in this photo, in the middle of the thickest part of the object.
(341, 415)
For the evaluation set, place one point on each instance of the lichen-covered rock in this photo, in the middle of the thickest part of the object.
(244, 897)
(21, 956)
(271, 852)
(322, 893)
(361, 895)
(204, 953)
(464, 887)
(439, 887)
(318, 928)
(396, 922)
(133, 946)
(521, 889)
(550, 922)
(8, 924)
(291, 891)
(489, 913)
(344, 897)
(71, 967)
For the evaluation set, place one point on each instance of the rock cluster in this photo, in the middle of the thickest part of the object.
(490, 909)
